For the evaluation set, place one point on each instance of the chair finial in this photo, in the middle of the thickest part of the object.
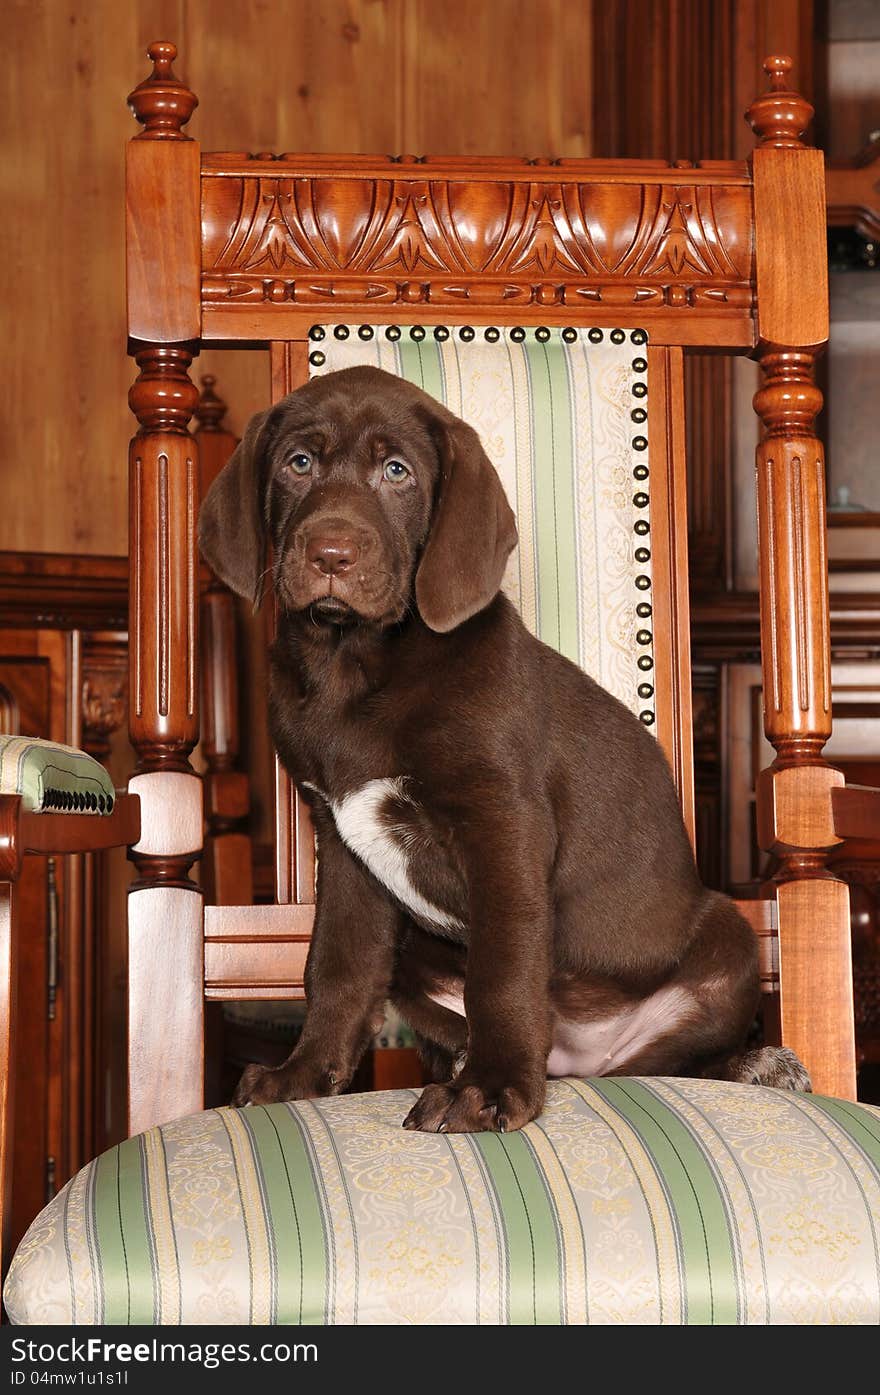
(211, 409)
(780, 116)
(162, 103)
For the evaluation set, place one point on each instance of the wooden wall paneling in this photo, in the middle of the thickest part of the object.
(680, 106)
(663, 93)
(314, 75)
(497, 79)
(684, 74)
(763, 27)
(62, 287)
(315, 88)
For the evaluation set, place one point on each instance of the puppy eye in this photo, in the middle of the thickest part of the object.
(300, 463)
(395, 471)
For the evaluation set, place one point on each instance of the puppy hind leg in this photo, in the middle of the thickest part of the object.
(698, 1022)
(439, 1064)
(425, 967)
(774, 1066)
(441, 1035)
(727, 947)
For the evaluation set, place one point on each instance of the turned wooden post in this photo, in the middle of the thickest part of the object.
(795, 820)
(166, 955)
(227, 863)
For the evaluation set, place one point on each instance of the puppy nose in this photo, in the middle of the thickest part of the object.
(332, 555)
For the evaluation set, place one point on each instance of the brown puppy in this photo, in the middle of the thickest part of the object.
(500, 846)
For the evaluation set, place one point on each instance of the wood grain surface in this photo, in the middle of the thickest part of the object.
(381, 76)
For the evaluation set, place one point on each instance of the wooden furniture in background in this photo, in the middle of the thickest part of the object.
(63, 656)
(853, 191)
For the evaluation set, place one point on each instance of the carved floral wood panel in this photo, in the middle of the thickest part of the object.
(680, 239)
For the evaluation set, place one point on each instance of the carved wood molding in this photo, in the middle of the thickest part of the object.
(104, 692)
(578, 235)
(58, 591)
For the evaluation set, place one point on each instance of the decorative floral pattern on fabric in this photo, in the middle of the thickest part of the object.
(628, 1201)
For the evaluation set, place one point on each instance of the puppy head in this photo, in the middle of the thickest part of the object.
(373, 496)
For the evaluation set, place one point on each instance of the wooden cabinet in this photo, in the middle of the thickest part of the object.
(63, 665)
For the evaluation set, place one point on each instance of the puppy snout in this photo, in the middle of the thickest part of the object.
(332, 554)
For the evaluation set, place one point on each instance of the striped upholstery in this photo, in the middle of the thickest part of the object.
(628, 1201)
(564, 422)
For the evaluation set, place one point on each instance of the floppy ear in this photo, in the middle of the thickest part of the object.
(473, 532)
(232, 528)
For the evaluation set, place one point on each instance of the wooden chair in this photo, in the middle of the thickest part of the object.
(722, 255)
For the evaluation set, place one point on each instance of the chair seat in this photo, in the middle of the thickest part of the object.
(629, 1201)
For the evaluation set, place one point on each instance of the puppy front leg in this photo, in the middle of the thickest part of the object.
(507, 1004)
(347, 981)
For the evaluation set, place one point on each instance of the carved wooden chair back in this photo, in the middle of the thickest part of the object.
(722, 255)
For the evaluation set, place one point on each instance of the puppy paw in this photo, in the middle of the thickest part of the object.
(269, 1084)
(775, 1066)
(467, 1108)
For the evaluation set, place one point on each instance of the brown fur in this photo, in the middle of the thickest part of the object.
(539, 813)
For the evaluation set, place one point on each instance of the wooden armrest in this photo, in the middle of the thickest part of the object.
(856, 812)
(24, 832)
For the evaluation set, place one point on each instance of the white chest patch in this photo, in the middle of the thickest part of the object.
(382, 846)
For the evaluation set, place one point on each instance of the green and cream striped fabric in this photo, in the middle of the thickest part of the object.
(52, 778)
(654, 1201)
(564, 422)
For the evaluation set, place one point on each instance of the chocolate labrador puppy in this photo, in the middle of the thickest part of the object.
(500, 846)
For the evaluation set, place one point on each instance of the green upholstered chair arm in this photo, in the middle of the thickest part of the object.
(51, 778)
